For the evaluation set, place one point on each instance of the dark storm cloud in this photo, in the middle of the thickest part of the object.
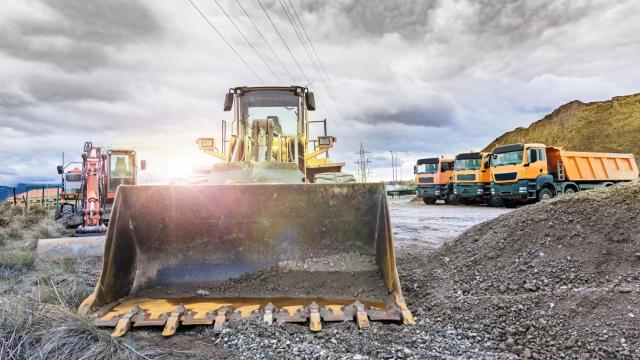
(435, 115)
(79, 33)
(57, 89)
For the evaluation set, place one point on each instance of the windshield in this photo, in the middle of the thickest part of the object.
(508, 158)
(427, 169)
(467, 164)
(278, 106)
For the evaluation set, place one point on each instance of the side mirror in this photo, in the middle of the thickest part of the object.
(228, 101)
(310, 99)
(415, 169)
(143, 164)
(60, 169)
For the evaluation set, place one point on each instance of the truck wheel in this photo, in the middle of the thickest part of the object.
(569, 190)
(429, 201)
(334, 178)
(545, 194)
(493, 202)
(451, 199)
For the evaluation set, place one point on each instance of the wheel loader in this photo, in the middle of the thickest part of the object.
(258, 241)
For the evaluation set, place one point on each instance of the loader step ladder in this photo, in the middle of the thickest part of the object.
(561, 176)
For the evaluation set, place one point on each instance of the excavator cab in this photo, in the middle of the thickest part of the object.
(122, 169)
(256, 240)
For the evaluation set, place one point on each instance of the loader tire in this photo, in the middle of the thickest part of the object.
(334, 178)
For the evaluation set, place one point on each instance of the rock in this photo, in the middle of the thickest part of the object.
(509, 343)
(570, 343)
(526, 354)
(530, 286)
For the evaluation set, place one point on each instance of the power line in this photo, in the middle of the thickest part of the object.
(265, 40)
(306, 78)
(322, 67)
(300, 37)
(225, 41)
(247, 40)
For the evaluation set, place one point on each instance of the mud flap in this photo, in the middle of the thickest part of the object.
(284, 252)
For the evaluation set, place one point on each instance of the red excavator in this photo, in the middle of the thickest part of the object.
(88, 193)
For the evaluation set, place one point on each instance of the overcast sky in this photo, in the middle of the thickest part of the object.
(419, 78)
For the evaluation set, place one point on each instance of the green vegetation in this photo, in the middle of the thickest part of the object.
(606, 126)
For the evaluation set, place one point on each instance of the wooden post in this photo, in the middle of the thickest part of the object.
(15, 200)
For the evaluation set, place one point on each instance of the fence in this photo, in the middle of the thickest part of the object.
(44, 195)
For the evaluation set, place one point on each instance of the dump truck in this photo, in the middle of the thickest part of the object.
(472, 178)
(258, 241)
(88, 193)
(535, 172)
(434, 180)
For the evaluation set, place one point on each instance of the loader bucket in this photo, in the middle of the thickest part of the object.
(203, 254)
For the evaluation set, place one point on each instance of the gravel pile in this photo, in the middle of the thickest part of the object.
(553, 280)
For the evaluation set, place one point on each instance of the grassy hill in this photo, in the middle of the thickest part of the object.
(608, 126)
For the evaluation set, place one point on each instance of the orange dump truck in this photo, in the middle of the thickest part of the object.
(434, 179)
(534, 172)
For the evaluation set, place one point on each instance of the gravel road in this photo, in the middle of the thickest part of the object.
(417, 224)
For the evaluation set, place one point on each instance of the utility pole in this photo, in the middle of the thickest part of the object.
(363, 163)
(393, 169)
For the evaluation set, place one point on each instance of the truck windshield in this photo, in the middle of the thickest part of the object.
(507, 158)
(279, 106)
(427, 169)
(467, 164)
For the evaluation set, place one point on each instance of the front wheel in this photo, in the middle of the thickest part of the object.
(545, 194)
(429, 201)
(451, 199)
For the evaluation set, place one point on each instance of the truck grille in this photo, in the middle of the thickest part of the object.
(466, 177)
(506, 176)
(425, 180)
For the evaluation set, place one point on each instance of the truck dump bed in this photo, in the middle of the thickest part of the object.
(591, 166)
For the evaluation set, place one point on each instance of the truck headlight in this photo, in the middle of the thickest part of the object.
(455, 191)
(437, 192)
(522, 189)
(480, 191)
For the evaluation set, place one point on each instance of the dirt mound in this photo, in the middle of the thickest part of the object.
(551, 279)
(607, 126)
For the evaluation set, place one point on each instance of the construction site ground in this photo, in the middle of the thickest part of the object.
(553, 280)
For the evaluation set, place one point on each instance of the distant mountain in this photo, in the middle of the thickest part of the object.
(607, 126)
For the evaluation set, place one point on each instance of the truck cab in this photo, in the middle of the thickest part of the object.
(472, 177)
(434, 180)
(520, 174)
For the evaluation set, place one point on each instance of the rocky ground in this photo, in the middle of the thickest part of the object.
(554, 280)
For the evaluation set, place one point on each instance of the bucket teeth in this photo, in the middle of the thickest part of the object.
(407, 318)
(314, 317)
(219, 322)
(361, 315)
(124, 324)
(173, 321)
(268, 314)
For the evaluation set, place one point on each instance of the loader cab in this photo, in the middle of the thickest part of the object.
(269, 132)
(121, 170)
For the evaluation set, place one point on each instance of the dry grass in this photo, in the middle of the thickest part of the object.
(38, 319)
